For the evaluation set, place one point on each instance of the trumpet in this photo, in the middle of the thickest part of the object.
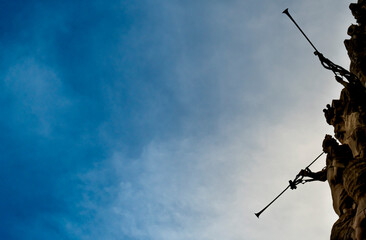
(289, 15)
(292, 184)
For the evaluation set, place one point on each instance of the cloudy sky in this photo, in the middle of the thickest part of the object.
(165, 119)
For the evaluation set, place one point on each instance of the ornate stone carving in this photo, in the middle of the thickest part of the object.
(346, 163)
(345, 168)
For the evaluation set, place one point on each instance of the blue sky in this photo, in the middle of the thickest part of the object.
(164, 120)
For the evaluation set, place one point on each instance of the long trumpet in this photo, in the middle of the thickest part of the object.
(326, 63)
(292, 184)
(289, 15)
(260, 212)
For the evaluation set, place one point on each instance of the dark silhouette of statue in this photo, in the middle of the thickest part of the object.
(338, 157)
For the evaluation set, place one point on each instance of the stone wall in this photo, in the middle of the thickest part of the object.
(348, 117)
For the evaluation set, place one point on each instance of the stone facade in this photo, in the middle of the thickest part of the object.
(347, 175)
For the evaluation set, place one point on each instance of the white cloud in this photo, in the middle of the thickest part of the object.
(210, 188)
